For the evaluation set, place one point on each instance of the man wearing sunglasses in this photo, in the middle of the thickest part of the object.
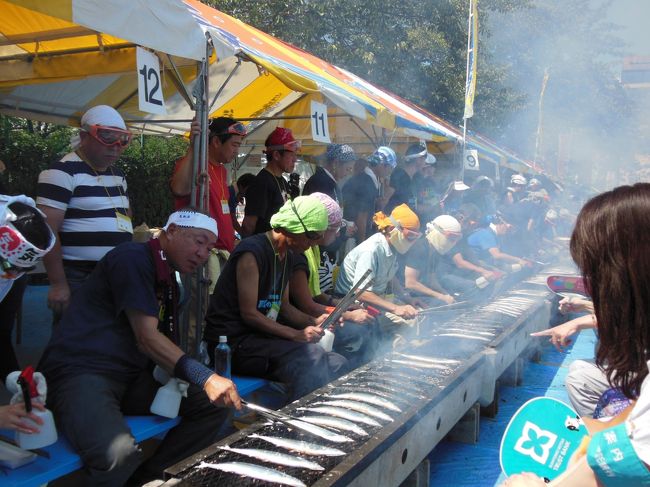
(269, 191)
(269, 337)
(423, 260)
(225, 137)
(398, 232)
(86, 202)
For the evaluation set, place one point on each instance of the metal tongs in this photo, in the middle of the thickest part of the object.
(351, 296)
(444, 307)
(267, 413)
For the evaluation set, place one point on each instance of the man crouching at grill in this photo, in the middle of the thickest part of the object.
(250, 305)
(398, 232)
(100, 358)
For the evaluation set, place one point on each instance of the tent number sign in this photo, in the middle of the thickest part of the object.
(319, 124)
(150, 94)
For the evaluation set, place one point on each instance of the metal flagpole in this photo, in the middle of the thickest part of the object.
(467, 86)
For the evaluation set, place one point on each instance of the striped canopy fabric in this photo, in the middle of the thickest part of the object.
(59, 58)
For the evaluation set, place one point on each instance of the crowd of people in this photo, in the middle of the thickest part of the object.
(425, 239)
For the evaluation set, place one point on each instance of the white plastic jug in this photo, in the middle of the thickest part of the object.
(47, 432)
(327, 341)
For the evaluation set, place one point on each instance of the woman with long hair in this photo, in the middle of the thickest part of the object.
(611, 246)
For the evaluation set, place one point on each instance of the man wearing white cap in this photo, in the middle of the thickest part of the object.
(423, 260)
(86, 203)
(121, 322)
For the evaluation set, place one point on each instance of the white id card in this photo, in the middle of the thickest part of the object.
(273, 312)
(225, 209)
(123, 222)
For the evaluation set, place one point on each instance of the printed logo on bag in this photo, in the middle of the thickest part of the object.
(9, 240)
(29, 256)
(535, 442)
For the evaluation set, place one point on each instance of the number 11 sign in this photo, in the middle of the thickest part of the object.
(319, 127)
(150, 94)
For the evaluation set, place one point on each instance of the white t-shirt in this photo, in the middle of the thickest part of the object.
(638, 422)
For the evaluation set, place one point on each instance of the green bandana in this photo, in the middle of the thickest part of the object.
(312, 213)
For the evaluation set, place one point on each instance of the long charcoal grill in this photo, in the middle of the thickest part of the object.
(475, 346)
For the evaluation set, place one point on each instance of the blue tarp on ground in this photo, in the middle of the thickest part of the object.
(459, 465)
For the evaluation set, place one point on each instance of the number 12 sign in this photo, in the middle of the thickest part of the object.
(319, 126)
(150, 94)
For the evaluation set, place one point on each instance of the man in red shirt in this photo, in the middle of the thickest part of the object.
(224, 139)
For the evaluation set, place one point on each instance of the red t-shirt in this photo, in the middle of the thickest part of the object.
(218, 194)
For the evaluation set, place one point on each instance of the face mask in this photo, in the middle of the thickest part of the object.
(399, 242)
(439, 242)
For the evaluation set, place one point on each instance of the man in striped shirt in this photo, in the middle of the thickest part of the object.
(86, 203)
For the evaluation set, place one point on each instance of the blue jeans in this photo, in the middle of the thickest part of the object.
(89, 409)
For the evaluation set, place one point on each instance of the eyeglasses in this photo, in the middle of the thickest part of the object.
(236, 128)
(451, 235)
(310, 234)
(292, 146)
(410, 235)
(109, 136)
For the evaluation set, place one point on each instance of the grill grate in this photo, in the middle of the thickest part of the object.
(409, 386)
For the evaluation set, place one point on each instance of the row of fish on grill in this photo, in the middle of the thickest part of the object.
(337, 417)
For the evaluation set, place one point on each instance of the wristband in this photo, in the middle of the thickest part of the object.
(614, 461)
(192, 371)
(329, 309)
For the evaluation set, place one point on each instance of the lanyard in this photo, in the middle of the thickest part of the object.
(284, 268)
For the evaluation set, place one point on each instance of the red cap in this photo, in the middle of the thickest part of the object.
(279, 139)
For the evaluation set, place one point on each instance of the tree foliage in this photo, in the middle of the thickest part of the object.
(414, 48)
(417, 49)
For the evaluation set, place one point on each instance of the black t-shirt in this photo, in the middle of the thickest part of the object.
(94, 335)
(448, 266)
(359, 195)
(264, 197)
(401, 182)
(321, 182)
(425, 259)
(224, 316)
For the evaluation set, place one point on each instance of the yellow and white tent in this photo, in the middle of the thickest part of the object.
(60, 57)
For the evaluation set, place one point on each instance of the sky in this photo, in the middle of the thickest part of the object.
(634, 18)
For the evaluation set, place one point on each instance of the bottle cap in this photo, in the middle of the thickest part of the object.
(223, 339)
(481, 282)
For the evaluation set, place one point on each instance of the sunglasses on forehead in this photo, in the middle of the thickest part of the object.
(448, 233)
(109, 136)
(292, 146)
(408, 234)
(236, 128)
(310, 234)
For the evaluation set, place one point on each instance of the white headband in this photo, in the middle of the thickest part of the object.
(192, 219)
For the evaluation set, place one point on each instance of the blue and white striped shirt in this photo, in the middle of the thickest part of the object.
(90, 200)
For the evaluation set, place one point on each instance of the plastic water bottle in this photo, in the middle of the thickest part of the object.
(222, 358)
